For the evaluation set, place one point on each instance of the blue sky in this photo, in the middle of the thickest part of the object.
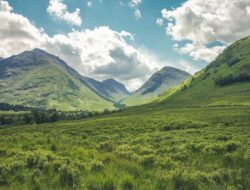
(120, 39)
(110, 13)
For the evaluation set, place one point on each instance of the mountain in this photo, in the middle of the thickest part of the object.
(39, 79)
(226, 81)
(157, 84)
(116, 88)
(109, 89)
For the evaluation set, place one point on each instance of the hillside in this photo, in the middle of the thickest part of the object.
(157, 84)
(109, 89)
(226, 81)
(38, 79)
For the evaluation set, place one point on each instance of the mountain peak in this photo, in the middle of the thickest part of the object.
(164, 78)
(115, 85)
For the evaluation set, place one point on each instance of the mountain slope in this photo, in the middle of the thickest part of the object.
(109, 89)
(226, 81)
(157, 84)
(38, 79)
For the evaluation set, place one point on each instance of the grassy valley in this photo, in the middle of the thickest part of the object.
(143, 148)
(195, 136)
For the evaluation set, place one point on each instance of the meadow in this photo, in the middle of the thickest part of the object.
(148, 147)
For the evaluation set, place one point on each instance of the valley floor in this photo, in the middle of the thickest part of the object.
(185, 148)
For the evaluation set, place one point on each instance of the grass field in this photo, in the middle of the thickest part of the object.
(149, 147)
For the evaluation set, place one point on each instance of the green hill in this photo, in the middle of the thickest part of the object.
(38, 79)
(157, 84)
(226, 81)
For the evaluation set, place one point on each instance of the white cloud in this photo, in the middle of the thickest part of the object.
(17, 33)
(102, 53)
(137, 14)
(206, 21)
(159, 21)
(4, 6)
(99, 53)
(134, 3)
(58, 10)
(89, 4)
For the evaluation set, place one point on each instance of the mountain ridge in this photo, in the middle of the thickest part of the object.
(47, 81)
(157, 84)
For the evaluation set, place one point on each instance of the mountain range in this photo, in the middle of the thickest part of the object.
(39, 79)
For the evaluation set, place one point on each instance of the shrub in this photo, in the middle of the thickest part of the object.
(183, 182)
(53, 148)
(109, 184)
(96, 166)
(69, 176)
(179, 125)
(94, 184)
(232, 146)
(147, 161)
(166, 163)
(128, 183)
(214, 149)
(4, 178)
(107, 146)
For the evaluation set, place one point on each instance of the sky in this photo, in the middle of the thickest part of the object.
(127, 40)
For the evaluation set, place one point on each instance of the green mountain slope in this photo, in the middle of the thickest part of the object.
(157, 84)
(109, 89)
(39, 79)
(226, 81)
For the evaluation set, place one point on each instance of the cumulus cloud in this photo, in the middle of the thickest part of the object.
(206, 21)
(100, 53)
(5, 7)
(17, 33)
(59, 11)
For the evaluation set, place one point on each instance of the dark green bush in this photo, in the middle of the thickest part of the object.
(109, 184)
(148, 161)
(96, 166)
(232, 146)
(184, 182)
(128, 183)
(107, 146)
(69, 176)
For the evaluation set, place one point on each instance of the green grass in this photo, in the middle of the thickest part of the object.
(149, 147)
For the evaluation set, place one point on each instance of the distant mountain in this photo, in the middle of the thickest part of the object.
(39, 79)
(226, 81)
(116, 88)
(157, 84)
(109, 89)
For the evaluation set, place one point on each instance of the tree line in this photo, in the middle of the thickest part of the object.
(231, 79)
(38, 116)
